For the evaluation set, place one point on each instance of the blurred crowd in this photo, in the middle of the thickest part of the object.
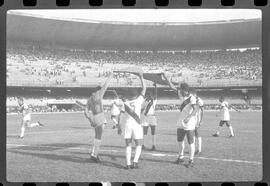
(66, 66)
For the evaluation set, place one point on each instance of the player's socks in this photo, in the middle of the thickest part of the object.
(33, 125)
(128, 155)
(182, 148)
(200, 144)
(22, 132)
(97, 143)
(192, 150)
(231, 130)
(137, 153)
(153, 141)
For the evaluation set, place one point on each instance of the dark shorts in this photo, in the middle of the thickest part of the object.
(222, 122)
(197, 132)
(153, 129)
(181, 133)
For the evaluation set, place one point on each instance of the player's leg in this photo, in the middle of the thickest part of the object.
(230, 128)
(153, 126)
(97, 143)
(199, 139)
(128, 139)
(115, 121)
(145, 131)
(138, 136)
(23, 126)
(153, 132)
(190, 138)
(180, 139)
(221, 123)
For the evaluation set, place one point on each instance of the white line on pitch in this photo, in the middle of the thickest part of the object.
(146, 153)
(48, 132)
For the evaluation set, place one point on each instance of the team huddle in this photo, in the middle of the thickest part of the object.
(133, 114)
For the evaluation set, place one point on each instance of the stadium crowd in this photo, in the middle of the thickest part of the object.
(66, 66)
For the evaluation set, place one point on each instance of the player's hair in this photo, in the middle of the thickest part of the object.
(20, 98)
(221, 98)
(184, 87)
(193, 91)
(97, 88)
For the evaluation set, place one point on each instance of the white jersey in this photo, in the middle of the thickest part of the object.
(151, 110)
(25, 111)
(135, 105)
(200, 105)
(115, 110)
(225, 114)
(187, 109)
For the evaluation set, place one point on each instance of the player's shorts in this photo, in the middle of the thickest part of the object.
(149, 120)
(133, 131)
(27, 117)
(99, 119)
(181, 133)
(222, 122)
(153, 129)
(197, 132)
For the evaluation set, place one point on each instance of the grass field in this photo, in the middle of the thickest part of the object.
(60, 151)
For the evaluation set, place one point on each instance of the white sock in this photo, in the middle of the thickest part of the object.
(22, 132)
(137, 153)
(98, 143)
(128, 155)
(154, 140)
(192, 151)
(199, 144)
(144, 137)
(231, 130)
(95, 148)
(181, 149)
(33, 125)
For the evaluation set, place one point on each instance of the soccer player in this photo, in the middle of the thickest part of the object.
(132, 122)
(115, 110)
(25, 110)
(200, 111)
(95, 114)
(149, 118)
(187, 122)
(225, 116)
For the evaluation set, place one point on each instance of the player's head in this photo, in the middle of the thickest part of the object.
(149, 95)
(20, 100)
(221, 99)
(129, 93)
(96, 89)
(184, 89)
(193, 91)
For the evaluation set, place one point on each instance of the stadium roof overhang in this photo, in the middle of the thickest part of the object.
(119, 35)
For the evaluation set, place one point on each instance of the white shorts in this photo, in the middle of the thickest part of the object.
(149, 120)
(133, 131)
(27, 117)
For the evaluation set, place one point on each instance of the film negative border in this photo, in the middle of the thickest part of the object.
(136, 3)
(260, 4)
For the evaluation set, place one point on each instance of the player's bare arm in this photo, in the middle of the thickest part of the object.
(234, 108)
(105, 86)
(142, 83)
(155, 91)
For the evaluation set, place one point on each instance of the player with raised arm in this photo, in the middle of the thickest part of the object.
(187, 123)
(26, 113)
(132, 122)
(200, 111)
(95, 114)
(149, 118)
(225, 116)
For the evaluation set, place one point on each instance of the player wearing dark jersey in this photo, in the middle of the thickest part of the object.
(95, 114)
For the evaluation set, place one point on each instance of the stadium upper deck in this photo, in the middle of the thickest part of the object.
(81, 33)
